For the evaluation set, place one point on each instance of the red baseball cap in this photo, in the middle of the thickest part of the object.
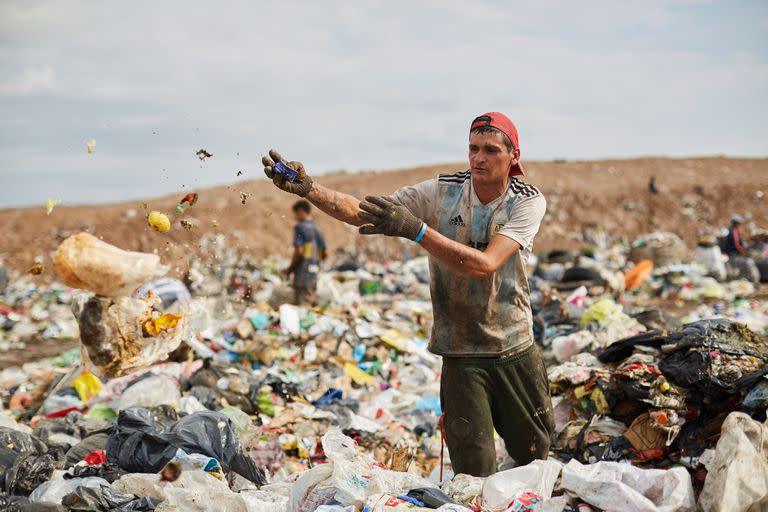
(504, 125)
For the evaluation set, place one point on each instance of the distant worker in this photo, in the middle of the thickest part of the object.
(478, 226)
(308, 251)
(652, 188)
(733, 242)
(740, 264)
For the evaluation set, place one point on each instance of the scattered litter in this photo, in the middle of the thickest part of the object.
(158, 221)
(202, 154)
(50, 204)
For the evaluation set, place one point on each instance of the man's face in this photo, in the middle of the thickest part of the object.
(300, 215)
(489, 158)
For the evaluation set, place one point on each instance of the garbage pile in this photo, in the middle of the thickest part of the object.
(229, 398)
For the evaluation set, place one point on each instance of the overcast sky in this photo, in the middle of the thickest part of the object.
(361, 85)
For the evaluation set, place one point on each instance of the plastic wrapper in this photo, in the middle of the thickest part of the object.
(83, 261)
(150, 391)
(535, 480)
(466, 489)
(23, 504)
(738, 475)
(106, 499)
(614, 486)
(53, 491)
(28, 471)
(114, 337)
(138, 444)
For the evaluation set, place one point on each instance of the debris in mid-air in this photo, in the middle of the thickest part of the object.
(50, 204)
(202, 154)
(36, 269)
(158, 221)
(91, 145)
(239, 173)
(186, 201)
(186, 224)
(244, 197)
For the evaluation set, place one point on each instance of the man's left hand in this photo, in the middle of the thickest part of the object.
(384, 216)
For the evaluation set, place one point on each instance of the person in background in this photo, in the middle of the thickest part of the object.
(734, 242)
(740, 262)
(652, 188)
(308, 251)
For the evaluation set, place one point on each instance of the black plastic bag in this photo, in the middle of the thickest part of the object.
(29, 471)
(106, 499)
(432, 498)
(21, 441)
(107, 471)
(138, 445)
(90, 444)
(73, 424)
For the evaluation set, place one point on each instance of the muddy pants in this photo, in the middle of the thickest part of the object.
(508, 394)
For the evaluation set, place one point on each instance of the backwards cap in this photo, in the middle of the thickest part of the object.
(507, 127)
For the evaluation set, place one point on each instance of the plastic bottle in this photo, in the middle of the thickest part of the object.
(310, 351)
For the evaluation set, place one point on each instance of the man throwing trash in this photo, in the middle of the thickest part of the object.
(478, 226)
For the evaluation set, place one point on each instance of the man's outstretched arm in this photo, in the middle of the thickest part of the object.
(338, 205)
(383, 216)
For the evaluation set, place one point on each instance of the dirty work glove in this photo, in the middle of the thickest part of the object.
(299, 186)
(384, 216)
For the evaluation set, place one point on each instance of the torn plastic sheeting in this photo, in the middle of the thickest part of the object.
(112, 337)
(53, 491)
(614, 486)
(22, 504)
(138, 444)
(738, 476)
(28, 472)
(539, 477)
(105, 499)
(83, 261)
(150, 391)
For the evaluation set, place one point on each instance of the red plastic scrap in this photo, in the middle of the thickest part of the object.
(96, 458)
(63, 412)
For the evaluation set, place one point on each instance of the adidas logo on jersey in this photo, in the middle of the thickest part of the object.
(457, 221)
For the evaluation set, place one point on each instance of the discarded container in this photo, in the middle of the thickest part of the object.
(83, 261)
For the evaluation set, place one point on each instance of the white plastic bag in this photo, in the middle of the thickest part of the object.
(150, 392)
(53, 491)
(466, 489)
(614, 486)
(83, 261)
(738, 476)
(113, 334)
(537, 477)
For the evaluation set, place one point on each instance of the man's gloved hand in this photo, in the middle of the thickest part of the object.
(384, 216)
(299, 186)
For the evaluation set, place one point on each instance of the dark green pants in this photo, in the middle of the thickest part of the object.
(508, 394)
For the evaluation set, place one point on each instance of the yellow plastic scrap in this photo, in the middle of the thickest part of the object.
(358, 376)
(601, 403)
(600, 311)
(50, 204)
(158, 221)
(395, 340)
(91, 145)
(87, 386)
(159, 324)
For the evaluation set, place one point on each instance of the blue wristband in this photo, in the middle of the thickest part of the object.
(421, 232)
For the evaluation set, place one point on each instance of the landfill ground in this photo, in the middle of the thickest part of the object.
(213, 392)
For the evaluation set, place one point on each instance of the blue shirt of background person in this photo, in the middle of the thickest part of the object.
(309, 248)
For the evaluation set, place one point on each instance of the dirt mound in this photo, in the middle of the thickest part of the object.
(697, 195)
